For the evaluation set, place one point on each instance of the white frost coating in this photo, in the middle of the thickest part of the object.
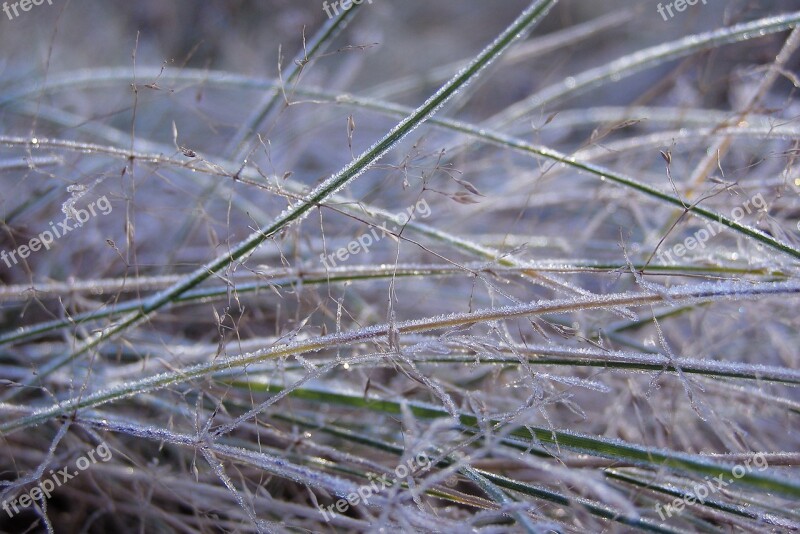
(711, 366)
(576, 381)
(710, 291)
(219, 469)
(276, 465)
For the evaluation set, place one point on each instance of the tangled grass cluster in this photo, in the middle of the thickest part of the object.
(252, 365)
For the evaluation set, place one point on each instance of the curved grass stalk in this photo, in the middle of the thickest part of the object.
(333, 275)
(77, 146)
(567, 357)
(310, 278)
(641, 60)
(660, 139)
(486, 135)
(500, 139)
(676, 296)
(503, 140)
(143, 151)
(646, 115)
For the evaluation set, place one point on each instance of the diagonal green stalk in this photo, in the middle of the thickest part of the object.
(603, 173)
(189, 364)
(242, 143)
(649, 457)
(537, 47)
(524, 23)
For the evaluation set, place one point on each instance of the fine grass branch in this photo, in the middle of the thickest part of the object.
(240, 144)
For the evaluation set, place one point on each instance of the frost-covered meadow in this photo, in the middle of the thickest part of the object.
(407, 266)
